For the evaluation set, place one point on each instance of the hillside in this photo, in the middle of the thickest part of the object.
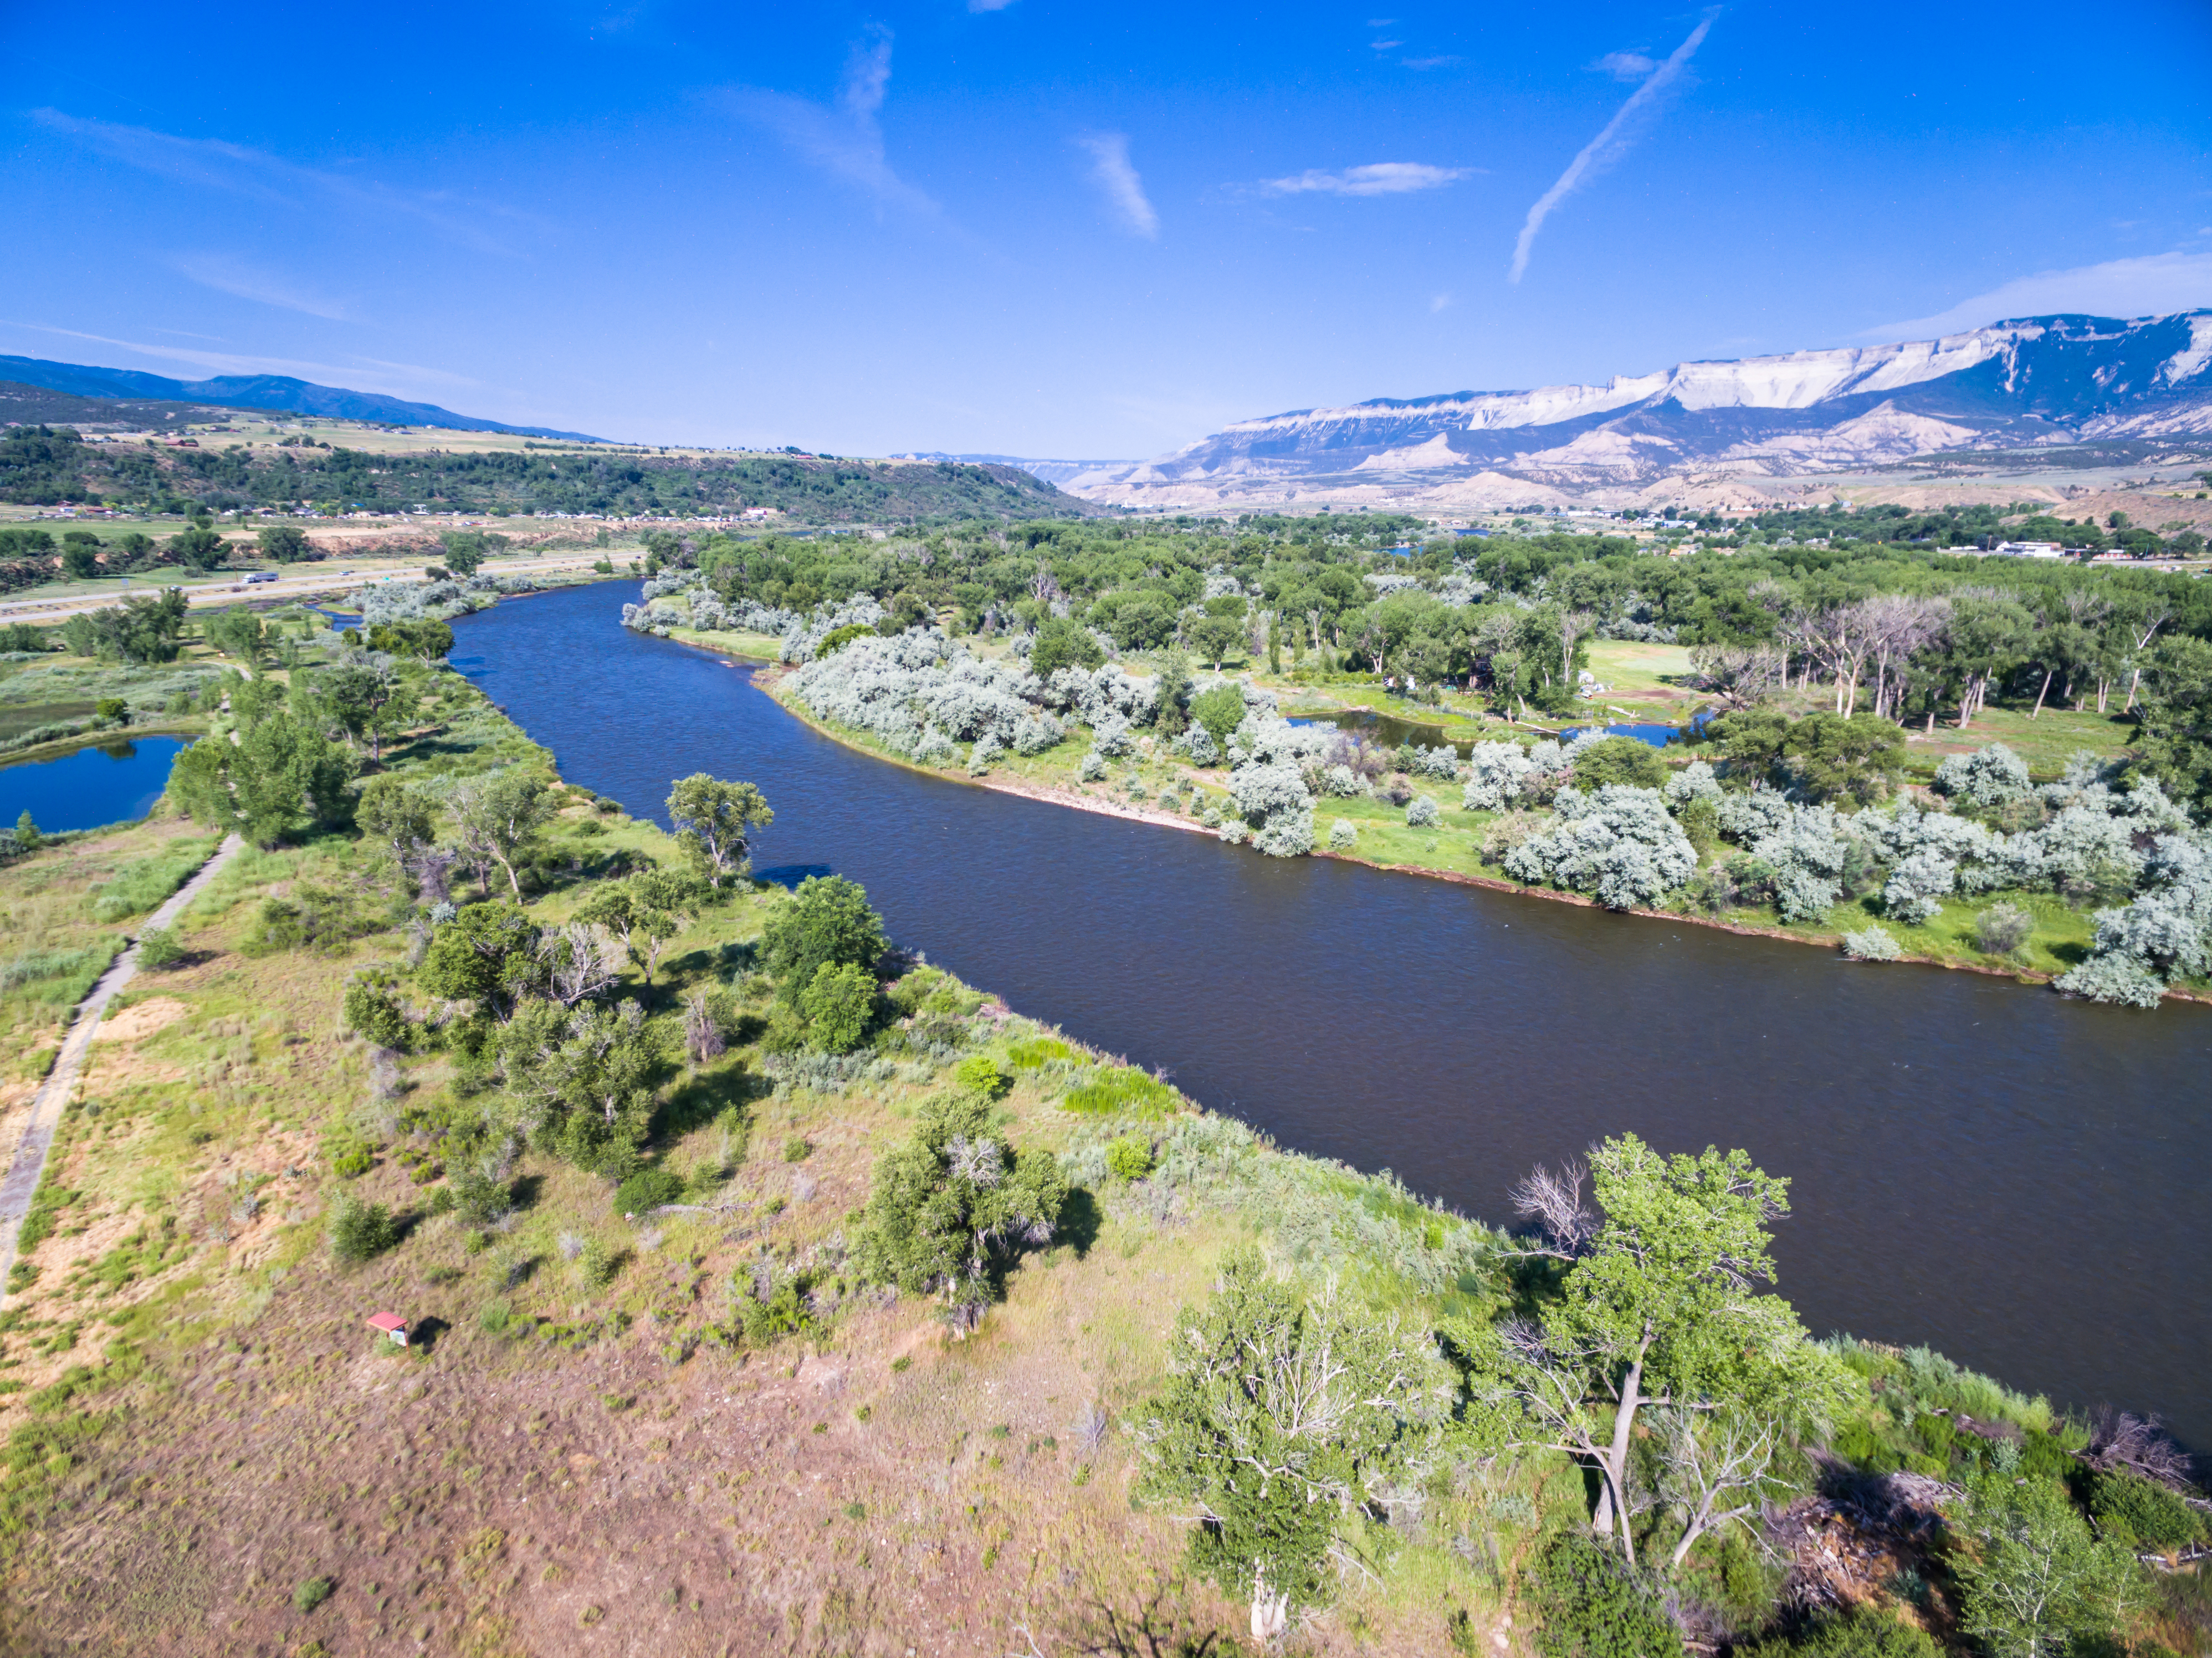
(33, 405)
(56, 468)
(272, 391)
(2141, 387)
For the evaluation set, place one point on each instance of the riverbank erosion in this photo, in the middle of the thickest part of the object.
(766, 1287)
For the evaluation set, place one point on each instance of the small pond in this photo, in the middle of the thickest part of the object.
(110, 783)
(1391, 729)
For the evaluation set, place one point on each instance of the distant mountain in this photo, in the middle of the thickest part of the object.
(274, 392)
(1051, 471)
(2019, 384)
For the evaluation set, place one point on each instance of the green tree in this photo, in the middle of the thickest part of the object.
(1220, 710)
(1751, 741)
(1214, 637)
(2173, 735)
(1063, 643)
(1281, 1416)
(488, 953)
(361, 1231)
(1656, 1307)
(237, 634)
(283, 543)
(712, 819)
(2036, 1582)
(837, 1006)
(369, 699)
(395, 816)
(199, 548)
(1858, 758)
(584, 1076)
(645, 911)
(426, 638)
(283, 777)
(496, 820)
(827, 920)
(948, 1211)
(28, 837)
(1171, 687)
(1620, 760)
(80, 556)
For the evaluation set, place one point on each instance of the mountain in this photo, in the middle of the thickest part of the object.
(1051, 471)
(275, 392)
(2028, 384)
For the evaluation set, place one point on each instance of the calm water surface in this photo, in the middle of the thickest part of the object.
(2021, 1181)
(87, 787)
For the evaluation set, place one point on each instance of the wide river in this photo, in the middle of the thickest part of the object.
(2021, 1181)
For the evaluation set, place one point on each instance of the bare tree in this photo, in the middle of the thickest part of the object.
(1898, 626)
(2142, 630)
(1714, 1478)
(1555, 1201)
(581, 960)
(702, 1031)
(1573, 624)
(1742, 676)
(2119, 1439)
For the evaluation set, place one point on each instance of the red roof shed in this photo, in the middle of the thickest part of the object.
(391, 1324)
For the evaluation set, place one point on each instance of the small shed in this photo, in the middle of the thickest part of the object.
(391, 1324)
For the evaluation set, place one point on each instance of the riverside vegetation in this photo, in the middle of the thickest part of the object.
(772, 1290)
(1796, 809)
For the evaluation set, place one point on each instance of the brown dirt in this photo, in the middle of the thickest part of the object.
(140, 1020)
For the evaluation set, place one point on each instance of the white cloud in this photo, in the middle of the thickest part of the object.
(1438, 303)
(1626, 65)
(1610, 145)
(2150, 285)
(846, 141)
(988, 5)
(1118, 181)
(217, 164)
(228, 274)
(1375, 179)
(1444, 62)
(1385, 46)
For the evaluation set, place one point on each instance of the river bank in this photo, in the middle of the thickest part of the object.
(1944, 941)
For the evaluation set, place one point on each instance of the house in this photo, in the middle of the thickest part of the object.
(2028, 549)
(391, 1324)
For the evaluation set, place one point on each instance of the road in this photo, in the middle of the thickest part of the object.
(345, 576)
(22, 1179)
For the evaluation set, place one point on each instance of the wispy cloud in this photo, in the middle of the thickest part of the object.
(1118, 182)
(988, 5)
(228, 274)
(1375, 179)
(1444, 62)
(846, 140)
(1626, 65)
(1620, 133)
(2153, 285)
(366, 373)
(217, 164)
(1439, 302)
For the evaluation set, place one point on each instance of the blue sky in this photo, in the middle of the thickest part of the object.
(1043, 228)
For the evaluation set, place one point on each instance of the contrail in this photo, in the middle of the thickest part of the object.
(1608, 147)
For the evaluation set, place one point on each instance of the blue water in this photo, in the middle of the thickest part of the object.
(83, 789)
(1657, 736)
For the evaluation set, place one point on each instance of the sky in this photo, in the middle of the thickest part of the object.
(1047, 229)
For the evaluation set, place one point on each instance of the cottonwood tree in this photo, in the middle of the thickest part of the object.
(1283, 1415)
(2035, 1582)
(496, 818)
(487, 954)
(645, 911)
(712, 819)
(579, 961)
(1714, 1471)
(583, 1077)
(367, 698)
(1656, 1308)
(828, 919)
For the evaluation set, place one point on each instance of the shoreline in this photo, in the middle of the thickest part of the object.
(2023, 976)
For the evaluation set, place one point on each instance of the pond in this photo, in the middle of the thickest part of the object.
(111, 783)
(1979, 1166)
(1391, 730)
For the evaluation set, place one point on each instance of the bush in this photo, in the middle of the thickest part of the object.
(1618, 844)
(2001, 930)
(1863, 1633)
(158, 947)
(1620, 760)
(838, 638)
(312, 1594)
(1993, 776)
(598, 1263)
(361, 1231)
(1873, 944)
(1592, 1608)
(838, 1006)
(647, 1190)
(2135, 1510)
(1218, 711)
(798, 1149)
(1342, 836)
(372, 1011)
(1130, 1157)
(979, 1076)
(1422, 814)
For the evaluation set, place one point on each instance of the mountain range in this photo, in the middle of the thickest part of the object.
(276, 393)
(2035, 383)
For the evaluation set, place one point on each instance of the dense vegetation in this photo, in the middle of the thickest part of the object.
(45, 465)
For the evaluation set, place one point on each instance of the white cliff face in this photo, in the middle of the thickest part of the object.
(2039, 381)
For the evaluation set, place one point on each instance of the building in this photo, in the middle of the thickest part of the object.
(391, 1324)
(2028, 549)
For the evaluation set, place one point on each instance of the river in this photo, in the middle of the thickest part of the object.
(2021, 1181)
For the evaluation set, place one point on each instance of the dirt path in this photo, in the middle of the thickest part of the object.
(22, 1179)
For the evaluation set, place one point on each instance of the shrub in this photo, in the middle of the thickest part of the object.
(354, 1161)
(1342, 836)
(1620, 760)
(1993, 776)
(312, 1594)
(1592, 1607)
(2001, 930)
(1863, 1633)
(480, 1197)
(2133, 1509)
(1618, 844)
(158, 947)
(598, 1263)
(979, 1077)
(361, 1231)
(798, 1149)
(648, 1189)
(1422, 814)
(372, 1011)
(838, 638)
(1872, 944)
(1130, 1157)
(1218, 711)
(838, 1006)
